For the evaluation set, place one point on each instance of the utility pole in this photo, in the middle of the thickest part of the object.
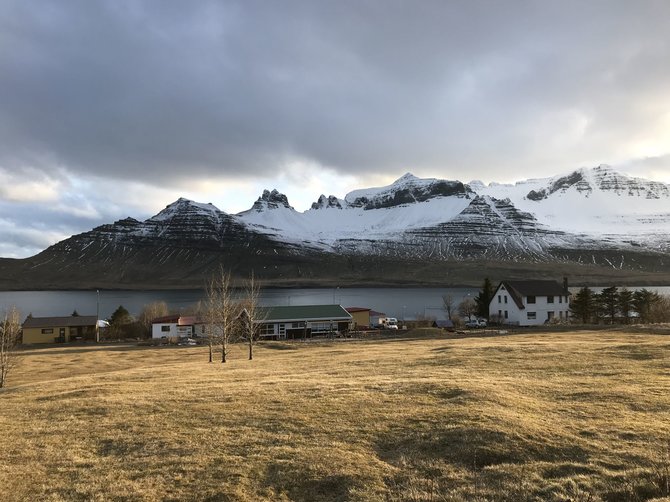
(97, 316)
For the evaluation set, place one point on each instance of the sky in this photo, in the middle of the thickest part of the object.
(117, 108)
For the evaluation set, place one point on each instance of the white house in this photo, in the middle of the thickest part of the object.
(530, 303)
(177, 326)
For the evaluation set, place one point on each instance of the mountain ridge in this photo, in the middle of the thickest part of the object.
(615, 224)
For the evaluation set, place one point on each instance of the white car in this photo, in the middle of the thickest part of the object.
(476, 323)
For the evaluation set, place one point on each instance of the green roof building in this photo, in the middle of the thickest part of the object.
(303, 321)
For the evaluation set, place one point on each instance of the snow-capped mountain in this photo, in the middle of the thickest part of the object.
(592, 216)
(598, 202)
(372, 214)
(588, 208)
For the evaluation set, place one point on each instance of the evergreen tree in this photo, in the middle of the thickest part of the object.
(120, 316)
(483, 299)
(625, 304)
(582, 306)
(120, 323)
(643, 301)
(608, 303)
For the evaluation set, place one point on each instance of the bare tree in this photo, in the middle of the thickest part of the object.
(10, 330)
(254, 314)
(221, 310)
(448, 303)
(467, 307)
(660, 310)
(150, 312)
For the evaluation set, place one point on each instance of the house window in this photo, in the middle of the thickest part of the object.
(282, 329)
(505, 298)
(550, 299)
(321, 327)
(165, 329)
(560, 299)
(550, 315)
(530, 299)
(531, 315)
(506, 316)
(47, 331)
(499, 299)
(560, 314)
(267, 330)
(499, 313)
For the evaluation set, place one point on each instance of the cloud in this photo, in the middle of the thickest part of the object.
(157, 92)
(28, 185)
(150, 100)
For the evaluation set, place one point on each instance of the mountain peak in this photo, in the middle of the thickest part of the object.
(185, 206)
(406, 177)
(327, 202)
(271, 200)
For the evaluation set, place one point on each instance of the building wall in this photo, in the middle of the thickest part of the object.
(167, 329)
(279, 330)
(52, 333)
(361, 318)
(35, 335)
(544, 311)
(503, 305)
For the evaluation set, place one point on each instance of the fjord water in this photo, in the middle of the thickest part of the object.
(403, 303)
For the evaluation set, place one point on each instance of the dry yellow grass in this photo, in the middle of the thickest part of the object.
(573, 416)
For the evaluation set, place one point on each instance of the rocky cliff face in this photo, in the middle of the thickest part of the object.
(407, 189)
(590, 216)
(270, 200)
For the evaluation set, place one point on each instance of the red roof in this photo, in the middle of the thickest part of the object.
(181, 320)
(166, 319)
(356, 309)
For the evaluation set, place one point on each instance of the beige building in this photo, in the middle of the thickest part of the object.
(361, 317)
(59, 329)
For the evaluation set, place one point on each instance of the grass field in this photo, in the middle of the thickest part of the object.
(571, 416)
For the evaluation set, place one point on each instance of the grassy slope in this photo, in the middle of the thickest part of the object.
(524, 417)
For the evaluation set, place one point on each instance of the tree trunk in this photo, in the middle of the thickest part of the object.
(210, 350)
(223, 352)
(251, 351)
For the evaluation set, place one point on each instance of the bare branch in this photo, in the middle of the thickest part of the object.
(221, 310)
(10, 330)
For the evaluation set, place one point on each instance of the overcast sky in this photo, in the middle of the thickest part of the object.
(116, 108)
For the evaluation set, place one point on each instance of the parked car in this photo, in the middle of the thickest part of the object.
(476, 323)
(389, 323)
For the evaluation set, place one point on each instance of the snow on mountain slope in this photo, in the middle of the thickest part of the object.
(365, 214)
(597, 202)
